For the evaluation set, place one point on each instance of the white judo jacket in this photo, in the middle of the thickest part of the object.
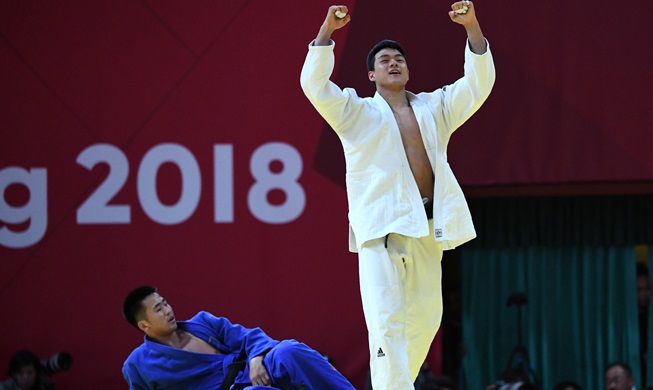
(381, 190)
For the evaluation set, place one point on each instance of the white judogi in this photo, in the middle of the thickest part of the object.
(400, 283)
(402, 301)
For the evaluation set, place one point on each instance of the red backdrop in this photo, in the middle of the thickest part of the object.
(169, 143)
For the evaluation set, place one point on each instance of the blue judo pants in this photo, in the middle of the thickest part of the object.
(293, 365)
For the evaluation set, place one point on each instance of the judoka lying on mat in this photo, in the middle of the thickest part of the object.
(208, 352)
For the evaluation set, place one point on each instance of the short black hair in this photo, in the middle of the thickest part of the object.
(623, 365)
(132, 307)
(22, 359)
(567, 384)
(384, 44)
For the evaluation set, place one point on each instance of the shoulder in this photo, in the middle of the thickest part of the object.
(137, 354)
(137, 359)
(432, 95)
(205, 317)
(433, 99)
(8, 385)
(351, 92)
(205, 320)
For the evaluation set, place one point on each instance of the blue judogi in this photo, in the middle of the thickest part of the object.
(290, 364)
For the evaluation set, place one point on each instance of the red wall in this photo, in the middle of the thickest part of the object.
(249, 220)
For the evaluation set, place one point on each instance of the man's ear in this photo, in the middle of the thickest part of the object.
(143, 325)
(371, 76)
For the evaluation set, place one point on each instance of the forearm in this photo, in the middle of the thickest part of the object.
(464, 13)
(476, 39)
(323, 36)
(337, 17)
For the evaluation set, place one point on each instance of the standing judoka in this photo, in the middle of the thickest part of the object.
(207, 351)
(405, 206)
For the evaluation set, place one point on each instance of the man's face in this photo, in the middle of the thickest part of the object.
(159, 318)
(25, 377)
(390, 69)
(616, 378)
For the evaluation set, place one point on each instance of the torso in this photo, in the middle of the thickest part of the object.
(415, 150)
(195, 344)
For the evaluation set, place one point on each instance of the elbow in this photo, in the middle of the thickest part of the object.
(309, 87)
(303, 82)
(492, 77)
(487, 82)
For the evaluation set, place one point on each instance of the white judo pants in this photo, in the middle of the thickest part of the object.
(401, 291)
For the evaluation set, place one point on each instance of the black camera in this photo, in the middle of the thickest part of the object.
(57, 363)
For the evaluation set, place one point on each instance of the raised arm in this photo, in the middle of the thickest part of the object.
(333, 21)
(464, 13)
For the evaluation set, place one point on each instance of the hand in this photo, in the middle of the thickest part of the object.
(465, 19)
(477, 42)
(332, 21)
(258, 374)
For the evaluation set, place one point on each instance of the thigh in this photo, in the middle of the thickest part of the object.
(424, 298)
(381, 275)
(294, 365)
(424, 268)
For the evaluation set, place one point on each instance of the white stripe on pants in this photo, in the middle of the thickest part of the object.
(402, 302)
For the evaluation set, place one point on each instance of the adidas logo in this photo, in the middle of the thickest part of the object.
(380, 353)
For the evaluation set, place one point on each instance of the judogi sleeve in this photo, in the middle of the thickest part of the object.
(460, 100)
(341, 108)
(133, 377)
(236, 338)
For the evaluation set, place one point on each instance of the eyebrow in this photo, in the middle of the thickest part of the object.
(390, 55)
(156, 305)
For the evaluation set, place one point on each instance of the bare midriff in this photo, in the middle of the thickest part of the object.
(415, 151)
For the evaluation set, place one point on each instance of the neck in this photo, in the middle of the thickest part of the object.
(395, 99)
(176, 339)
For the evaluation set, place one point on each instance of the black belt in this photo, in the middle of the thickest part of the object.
(232, 372)
(428, 207)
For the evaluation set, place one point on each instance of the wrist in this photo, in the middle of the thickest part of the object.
(472, 28)
(256, 359)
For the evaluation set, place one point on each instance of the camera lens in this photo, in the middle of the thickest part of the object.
(57, 363)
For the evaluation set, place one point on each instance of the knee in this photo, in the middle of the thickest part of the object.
(433, 321)
(289, 350)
